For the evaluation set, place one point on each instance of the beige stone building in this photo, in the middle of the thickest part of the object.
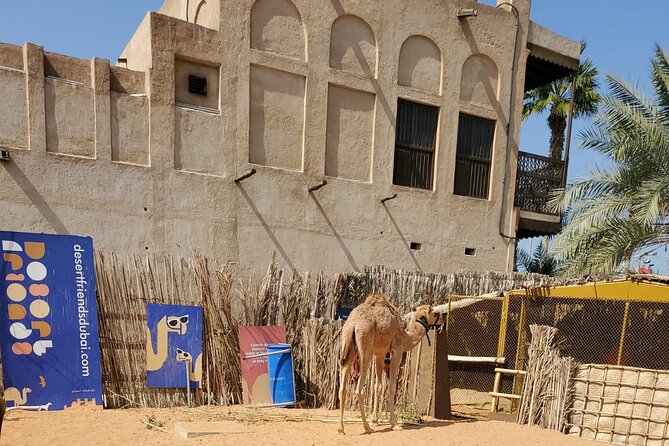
(378, 132)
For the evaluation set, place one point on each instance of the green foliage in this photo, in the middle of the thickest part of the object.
(541, 262)
(556, 98)
(625, 208)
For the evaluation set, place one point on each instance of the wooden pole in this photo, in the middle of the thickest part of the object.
(495, 392)
(441, 400)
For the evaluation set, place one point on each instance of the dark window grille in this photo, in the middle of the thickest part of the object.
(474, 156)
(537, 176)
(415, 136)
(197, 85)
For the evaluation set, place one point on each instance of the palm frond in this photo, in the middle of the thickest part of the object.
(617, 211)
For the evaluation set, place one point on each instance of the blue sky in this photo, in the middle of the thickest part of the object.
(620, 37)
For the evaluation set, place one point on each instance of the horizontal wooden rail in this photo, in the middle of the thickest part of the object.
(496, 394)
(510, 396)
(477, 359)
(510, 371)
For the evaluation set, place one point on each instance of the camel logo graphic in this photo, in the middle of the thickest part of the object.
(17, 397)
(194, 368)
(173, 336)
(155, 358)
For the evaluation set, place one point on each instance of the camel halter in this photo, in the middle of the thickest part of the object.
(427, 330)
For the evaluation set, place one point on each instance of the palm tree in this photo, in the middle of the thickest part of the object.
(617, 211)
(541, 262)
(556, 98)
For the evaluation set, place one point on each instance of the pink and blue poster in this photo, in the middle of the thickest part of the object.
(48, 321)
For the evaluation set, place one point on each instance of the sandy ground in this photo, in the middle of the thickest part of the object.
(259, 427)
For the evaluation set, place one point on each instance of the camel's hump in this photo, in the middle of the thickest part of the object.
(380, 300)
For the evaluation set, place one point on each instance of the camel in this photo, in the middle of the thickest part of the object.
(19, 398)
(375, 329)
(168, 324)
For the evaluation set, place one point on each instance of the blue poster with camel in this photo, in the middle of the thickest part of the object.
(49, 321)
(173, 343)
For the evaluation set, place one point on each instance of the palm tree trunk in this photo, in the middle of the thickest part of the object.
(558, 125)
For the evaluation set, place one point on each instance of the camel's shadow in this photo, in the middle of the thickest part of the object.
(382, 428)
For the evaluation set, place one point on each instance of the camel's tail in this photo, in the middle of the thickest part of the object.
(348, 348)
(349, 355)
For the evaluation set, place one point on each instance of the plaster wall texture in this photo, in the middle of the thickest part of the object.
(70, 118)
(11, 56)
(201, 12)
(300, 91)
(129, 128)
(14, 124)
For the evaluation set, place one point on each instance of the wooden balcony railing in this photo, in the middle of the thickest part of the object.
(536, 178)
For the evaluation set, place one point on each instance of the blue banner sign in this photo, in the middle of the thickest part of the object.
(173, 345)
(49, 321)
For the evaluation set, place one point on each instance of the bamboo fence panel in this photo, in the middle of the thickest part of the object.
(621, 405)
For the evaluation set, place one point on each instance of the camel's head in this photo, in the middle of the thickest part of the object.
(430, 317)
(184, 355)
(177, 324)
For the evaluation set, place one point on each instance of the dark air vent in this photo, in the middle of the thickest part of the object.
(197, 85)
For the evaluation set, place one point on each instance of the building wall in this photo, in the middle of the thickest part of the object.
(201, 12)
(302, 91)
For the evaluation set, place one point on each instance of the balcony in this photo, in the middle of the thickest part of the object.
(537, 176)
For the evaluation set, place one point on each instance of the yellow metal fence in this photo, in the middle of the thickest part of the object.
(623, 323)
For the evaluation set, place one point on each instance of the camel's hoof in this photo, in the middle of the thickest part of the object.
(369, 430)
(340, 431)
(398, 427)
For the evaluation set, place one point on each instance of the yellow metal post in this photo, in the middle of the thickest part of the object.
(622, 332)
(520, 347)
(504, 318)
(448, 315)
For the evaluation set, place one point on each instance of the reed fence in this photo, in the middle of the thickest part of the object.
(306, 304)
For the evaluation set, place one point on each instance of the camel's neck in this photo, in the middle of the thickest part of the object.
(156, 357)
(413, 334)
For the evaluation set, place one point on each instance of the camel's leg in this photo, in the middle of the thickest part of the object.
(343, 378)
(377, 389)
(365, 360)
(392, 388)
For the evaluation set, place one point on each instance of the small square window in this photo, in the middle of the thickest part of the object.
(197, 85)
(470, 252)
(416, 246)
